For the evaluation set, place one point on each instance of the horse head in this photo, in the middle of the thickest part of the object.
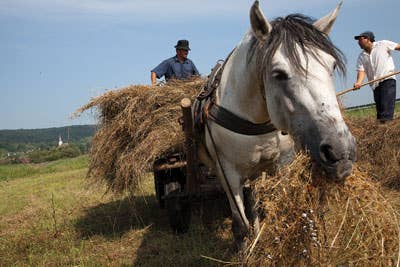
(297, 62)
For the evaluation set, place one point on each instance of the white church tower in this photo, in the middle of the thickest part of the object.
(60, 142)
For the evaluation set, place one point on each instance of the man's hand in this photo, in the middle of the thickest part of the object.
(153, 78)
(356, 86)
(360, 78)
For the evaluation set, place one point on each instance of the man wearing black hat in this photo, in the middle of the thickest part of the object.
(376, 61)
(177, 67)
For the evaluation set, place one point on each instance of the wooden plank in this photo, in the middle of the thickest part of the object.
(190, 147)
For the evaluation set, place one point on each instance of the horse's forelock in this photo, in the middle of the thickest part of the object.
(293, 30)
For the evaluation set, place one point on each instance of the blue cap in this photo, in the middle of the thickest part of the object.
(368, 34)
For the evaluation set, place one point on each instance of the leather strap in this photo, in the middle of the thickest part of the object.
(234, 123)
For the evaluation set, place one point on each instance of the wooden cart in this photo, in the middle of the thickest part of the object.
(180, 179)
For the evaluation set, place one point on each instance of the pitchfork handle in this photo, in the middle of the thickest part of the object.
(369, 82)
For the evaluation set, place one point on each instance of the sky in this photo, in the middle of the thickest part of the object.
(55, 55)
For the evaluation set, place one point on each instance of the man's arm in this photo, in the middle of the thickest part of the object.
(153, 78)
(360, 78)
(159, 71)
(195, 70)
(397, 47)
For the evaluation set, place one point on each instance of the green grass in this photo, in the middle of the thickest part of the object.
(12, 171)
(368, 111)
(49, 216)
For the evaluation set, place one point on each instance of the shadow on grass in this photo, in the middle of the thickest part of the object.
(209, 233)
(113, 219)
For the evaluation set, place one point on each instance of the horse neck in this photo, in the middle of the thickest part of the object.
(241, 90)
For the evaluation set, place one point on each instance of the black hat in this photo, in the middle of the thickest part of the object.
(367, 34)
(182, 44)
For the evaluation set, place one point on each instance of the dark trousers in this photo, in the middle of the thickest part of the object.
(385, 98)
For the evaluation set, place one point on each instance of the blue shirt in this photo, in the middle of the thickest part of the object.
(171, 68)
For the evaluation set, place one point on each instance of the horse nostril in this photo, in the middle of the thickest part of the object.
(327, 153)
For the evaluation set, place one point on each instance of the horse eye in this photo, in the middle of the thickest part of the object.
(334, 69)
(280, 75)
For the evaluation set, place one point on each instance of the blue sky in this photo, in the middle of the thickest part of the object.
(57, 54)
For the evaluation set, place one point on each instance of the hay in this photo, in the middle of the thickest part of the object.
(136, 125)
(308, 221)
(378, 148)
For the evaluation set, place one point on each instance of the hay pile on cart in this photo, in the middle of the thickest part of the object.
(137, 124)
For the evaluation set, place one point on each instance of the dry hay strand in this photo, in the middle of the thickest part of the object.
(378, 148)
(137, 124)
(308, 221)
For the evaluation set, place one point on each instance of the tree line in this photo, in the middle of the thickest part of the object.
(25, 139)
(39, 145)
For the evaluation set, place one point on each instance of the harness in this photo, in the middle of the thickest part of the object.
(206, 109)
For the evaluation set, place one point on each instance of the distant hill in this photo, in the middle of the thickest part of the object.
(17, 140)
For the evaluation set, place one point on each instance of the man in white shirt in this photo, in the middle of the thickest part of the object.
(376, 61)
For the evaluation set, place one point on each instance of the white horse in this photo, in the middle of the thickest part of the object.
(280, 72)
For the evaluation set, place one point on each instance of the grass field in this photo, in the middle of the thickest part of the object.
(12, 171)
(49, 216)
(368, 111)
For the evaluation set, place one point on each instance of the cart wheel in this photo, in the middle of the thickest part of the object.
(159, 186)
(178, 205)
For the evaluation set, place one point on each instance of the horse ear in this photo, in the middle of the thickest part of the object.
(325, 24)
(259, 24)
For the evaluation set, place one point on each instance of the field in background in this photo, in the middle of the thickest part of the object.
(367, 110)
(49, 216)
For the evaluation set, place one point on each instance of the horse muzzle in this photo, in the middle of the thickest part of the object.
(340, 170)
(337, 157)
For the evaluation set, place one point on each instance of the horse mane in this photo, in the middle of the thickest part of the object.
(293, 30)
